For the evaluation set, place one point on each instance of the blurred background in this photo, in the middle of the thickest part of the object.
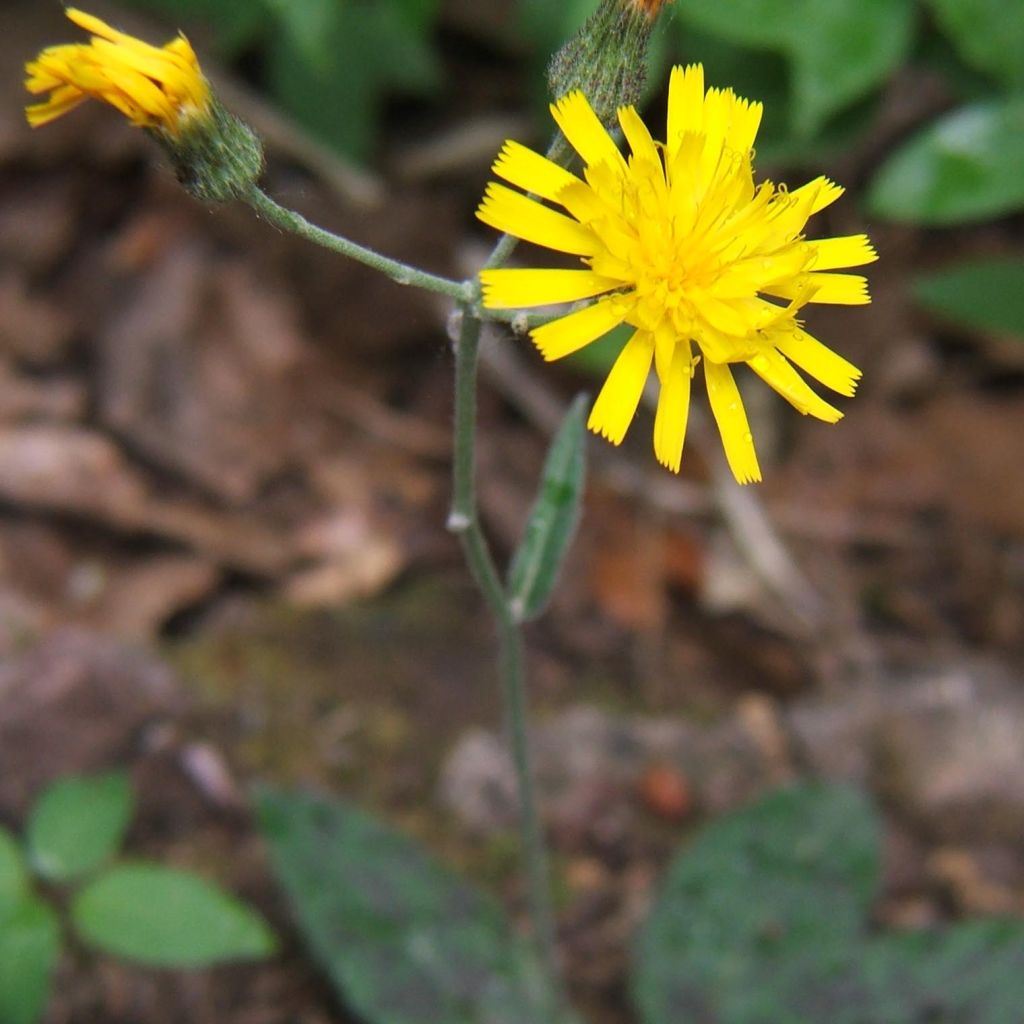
(224, 462)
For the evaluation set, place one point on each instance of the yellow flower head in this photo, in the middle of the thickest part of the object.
(154, 87)
(680, 244)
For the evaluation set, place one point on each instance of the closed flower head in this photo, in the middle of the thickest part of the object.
(679, 243)
(160, 88)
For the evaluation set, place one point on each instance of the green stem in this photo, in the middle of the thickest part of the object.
(401, 273)
(463, 520)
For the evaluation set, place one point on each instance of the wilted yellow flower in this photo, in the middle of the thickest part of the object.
(680, 244)
(154, 87)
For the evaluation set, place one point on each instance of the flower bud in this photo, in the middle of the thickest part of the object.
(606, 59)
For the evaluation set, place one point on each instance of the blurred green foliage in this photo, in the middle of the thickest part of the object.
(142, 912)
(765, 918)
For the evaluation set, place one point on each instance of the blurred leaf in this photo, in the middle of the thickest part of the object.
(403, 940)
(967, 165)
(332, 71)
(988, 35)
(553, 518)
(973, 972)
(839, 51)
(167, 918)
(986, 295)
(765, 902)
(547, 25)
(29, 947)
(235, 23)
(13, 876)
(79, 823)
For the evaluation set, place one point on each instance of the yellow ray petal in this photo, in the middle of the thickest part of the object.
(727, 406)
(827, 193)
(673, 408)
(582, 127)
(60, 102)
(504, 289)
(616, 404)
(511, 211)
(835, 289)
(638, 137)
(532, 172)
(685, 103)
(846, 251)
(824, 365)
(570, 333)
(771, 366)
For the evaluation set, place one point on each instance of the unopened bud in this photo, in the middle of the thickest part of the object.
(606, 59)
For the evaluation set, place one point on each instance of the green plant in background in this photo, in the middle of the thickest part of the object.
(137, 910)
(764, 919)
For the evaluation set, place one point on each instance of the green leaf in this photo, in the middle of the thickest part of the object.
(765, 902)
(973, 972)
(553, 518)
(78, 823)
(403, 940)
(235, 23)
(29, 947)
(966, 166)
(167, 918)
(13, 876)
(332, 65)
(988, 35)
(838, 51)
(986, 295)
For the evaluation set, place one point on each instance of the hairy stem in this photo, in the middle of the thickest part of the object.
(463, 520)
(401, 273)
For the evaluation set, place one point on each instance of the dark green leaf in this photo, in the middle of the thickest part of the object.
(332, 65)
(235, 23)
(13, 876)
(839, 51)
(966, 166)
(553, 518)
(988, 35)
(403, 940)
(765, 903)
(78, 823)
(29, 947)
(167, 918)
(986, 295)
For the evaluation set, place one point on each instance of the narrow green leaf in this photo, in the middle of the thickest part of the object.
(760, 907)
(13, 875)
(966, 166)
(988, 35)
(986, 295)
(403, 940)
(167, 918)
(29, 947)
(553, 518)
(839, 51)
(78, 823)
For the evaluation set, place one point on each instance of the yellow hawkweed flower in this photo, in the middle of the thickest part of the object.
(162, 89)
(154, 87)
(680, 244)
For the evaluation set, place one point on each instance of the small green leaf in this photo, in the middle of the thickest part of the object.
(13, 876)
(29, 947)
(839, 51)
(167, 918)
(553, 518)
(78, 823)
(756, 910)
(988, 35)
(986, 295)
(403, 940)
(966, 166)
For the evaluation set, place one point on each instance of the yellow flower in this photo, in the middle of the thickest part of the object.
(154, 87)
(680, 244)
